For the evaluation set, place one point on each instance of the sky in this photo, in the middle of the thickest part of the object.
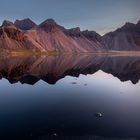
(101, 16)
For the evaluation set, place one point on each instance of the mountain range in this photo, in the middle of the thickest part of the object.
(52, 37)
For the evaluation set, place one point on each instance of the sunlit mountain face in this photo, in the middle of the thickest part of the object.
(46, 37)
(70, 97)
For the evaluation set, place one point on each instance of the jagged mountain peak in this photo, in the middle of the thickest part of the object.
(24, 20)
(50, 24)
(127, 27)
(25, 24)
(49, 21)
(92, 35)
(7, 23)
(76, 30)
(129, 24)
(138, 24)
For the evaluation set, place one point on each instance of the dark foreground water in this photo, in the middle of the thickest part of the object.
(58, 97)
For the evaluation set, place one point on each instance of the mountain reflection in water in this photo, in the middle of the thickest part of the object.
(52, 68)
(69, 109)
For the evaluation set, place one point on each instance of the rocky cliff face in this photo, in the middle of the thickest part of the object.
(56, 38)
(25, 24)
(124, 38)
(7, 23)
(51, 37)
(12, 38)
(48, 36)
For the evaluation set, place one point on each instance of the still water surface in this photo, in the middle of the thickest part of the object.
(56, 97)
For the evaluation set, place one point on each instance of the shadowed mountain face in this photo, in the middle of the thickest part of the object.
(25, 24)
(124, 38)
(52, 68)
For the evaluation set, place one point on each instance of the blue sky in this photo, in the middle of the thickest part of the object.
(99, 15)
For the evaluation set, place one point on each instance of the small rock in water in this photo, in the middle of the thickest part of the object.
(74, 83)
(85, 84)
(55, 134)
(98, 114)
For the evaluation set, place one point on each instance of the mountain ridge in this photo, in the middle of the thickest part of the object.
(51, 37)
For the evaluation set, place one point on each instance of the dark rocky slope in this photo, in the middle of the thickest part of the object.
(126, 38)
